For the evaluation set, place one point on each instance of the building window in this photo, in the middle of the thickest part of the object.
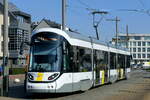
(148, 43)
(148, 49)
(137, 37)
(20, 19)
(139, 55)
(134, 55)
(139, 49)
(143, 49)
(143, 43)
(134, 49)
(139, 43)
(134, 43)
(147, 38)
(122, 37)
(148, 55)
(143, 56)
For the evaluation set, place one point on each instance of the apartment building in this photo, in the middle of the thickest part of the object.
(138, 44)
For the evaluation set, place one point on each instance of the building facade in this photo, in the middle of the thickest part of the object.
(19, 31)
(138, 44)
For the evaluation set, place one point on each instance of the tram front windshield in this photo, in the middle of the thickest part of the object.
(46, 53)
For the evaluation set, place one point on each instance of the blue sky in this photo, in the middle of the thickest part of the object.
(79, 18)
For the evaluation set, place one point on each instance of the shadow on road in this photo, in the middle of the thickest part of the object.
(52, 95)
(17, 92)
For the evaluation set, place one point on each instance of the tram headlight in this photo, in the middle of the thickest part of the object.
(53, 76)
(30, 76)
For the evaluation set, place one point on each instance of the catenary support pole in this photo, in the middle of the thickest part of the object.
(5, 50)
(63, 15)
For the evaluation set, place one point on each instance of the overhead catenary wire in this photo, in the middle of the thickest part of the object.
(92, 11)
(84, 4)
(75, 5)
(142, 4)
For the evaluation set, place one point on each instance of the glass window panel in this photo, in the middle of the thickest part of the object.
(147, 38)
(134, 43)
(148, 55)
(139, 49)
(139, 43)
(143, 49)
(139, 55)
(143, 55)
(134, 55)
(148, 49)
(134, 49)
(143, 43)
(148, 43)
(137, 37)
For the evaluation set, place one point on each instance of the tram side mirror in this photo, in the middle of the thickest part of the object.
(22, 47)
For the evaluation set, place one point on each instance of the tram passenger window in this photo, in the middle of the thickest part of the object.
(128, 61)
(84, 60)
(67, 54)
(112, 60)
(101, 60)
(121, 61)
(74, 58)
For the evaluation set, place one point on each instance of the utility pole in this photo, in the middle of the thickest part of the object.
(95, 24)
(127, 39)
(5, 50)
(63, 15)
(116, 20)
(116, 42)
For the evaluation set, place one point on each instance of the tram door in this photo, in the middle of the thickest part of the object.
(121, 66)
(105, 67)
(101, 67)
(124, 66)
(96, 67)
(97, 75)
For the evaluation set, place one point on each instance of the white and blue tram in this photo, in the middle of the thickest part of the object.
(66, 62)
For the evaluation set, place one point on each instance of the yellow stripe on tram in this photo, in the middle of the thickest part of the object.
(103, 76)
(39, 77)
(121, 73)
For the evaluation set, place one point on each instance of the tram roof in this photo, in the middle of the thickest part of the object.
(89, 39)
(75, 35)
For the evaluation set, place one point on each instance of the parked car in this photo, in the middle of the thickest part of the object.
(134, 66)
(139, 65)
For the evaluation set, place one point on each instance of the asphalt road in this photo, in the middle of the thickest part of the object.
(135, 88)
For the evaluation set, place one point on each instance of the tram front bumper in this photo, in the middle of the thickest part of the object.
(40, 88)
